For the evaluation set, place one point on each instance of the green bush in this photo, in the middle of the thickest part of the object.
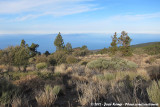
(95, 64)
(120, 64)
(71, 59)
(106, 64)
(42, 65)
(114, 64)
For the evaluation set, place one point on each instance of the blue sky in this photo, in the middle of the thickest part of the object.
(79, 16)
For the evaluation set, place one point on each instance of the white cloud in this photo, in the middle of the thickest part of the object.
(30, 9)
(37, 8)
(143, 23)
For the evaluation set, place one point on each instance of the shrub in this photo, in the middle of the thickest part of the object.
(41, 58)
(105, 64)
(60, 57)
(154, 72)
(71, 59)
(107, 77)
(60, 68)
(32, 60)
(47, 97)
(48, 75)
(81, 52)
(51, 60)
(7, 91)
(40, 66)
(83, 63)
(131, 65)
(153, 49)
(130, 91)
(56, 89)
(95, 64)
(151, 60)
(90, 92)
(20, 102)
(3, 68)
(138, 51)
(120, 64)
(102, 51)
(154, 92)
(114, 64)
(18, 75)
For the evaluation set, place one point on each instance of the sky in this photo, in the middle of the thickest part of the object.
(79, 16)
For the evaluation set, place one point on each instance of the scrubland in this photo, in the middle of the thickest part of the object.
(92, 78)
(79, 77)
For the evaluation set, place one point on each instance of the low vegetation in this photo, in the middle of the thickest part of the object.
(153, 92)
(79, 77)
(153, 49)
(40, 66)
(113, 64)
(47, 97)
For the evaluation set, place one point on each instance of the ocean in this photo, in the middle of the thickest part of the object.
(92, 41)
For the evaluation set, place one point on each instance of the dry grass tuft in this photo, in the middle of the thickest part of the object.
(154, 92)
(130, 91)
(90, 92)
(60, 68)
(20, 102)
(47, 97)
(3, 68)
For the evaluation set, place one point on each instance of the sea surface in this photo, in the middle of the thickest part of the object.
(92, 41)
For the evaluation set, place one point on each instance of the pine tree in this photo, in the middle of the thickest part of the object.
(21, 57)
(47, 53)
(124, 40)
(23, 43)
(58, 42)
(114, 47)
(33, 49)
